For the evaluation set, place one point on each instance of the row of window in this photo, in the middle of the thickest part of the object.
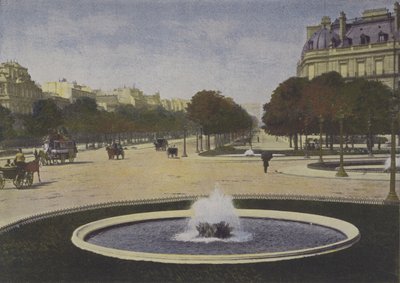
(364, 39)
(359, 72)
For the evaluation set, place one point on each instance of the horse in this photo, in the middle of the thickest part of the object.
(172, 152)
(32, 167)
(44, 158)
(112, 152)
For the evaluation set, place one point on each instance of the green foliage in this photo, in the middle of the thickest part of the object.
(217, 114)
(282, 113)
(298, 105)
(6, 123)
(46, 116)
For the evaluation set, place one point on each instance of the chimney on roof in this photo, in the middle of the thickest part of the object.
(396, 16)
(342, 26)
(326, 22)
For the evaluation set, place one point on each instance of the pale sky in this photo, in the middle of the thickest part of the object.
(177, 47)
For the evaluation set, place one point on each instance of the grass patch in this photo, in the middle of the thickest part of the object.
(42, 251)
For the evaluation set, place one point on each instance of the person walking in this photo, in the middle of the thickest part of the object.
(266, 157)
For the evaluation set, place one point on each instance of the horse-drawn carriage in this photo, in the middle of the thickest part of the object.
(22, 177)
(58, 150)
(160, 144)
(116, 150)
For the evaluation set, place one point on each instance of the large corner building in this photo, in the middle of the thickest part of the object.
(364, 47)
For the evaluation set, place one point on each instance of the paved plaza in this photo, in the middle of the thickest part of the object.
(146, 173)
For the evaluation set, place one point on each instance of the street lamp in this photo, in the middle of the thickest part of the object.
(341, 172)
(369, 137)
(184, 142)
(392, 196)
(321, 122)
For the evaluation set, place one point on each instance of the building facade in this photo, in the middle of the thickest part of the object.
(71, 91)
(17, 91)
(366, 47)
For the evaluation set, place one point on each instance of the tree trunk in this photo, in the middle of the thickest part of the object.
(295, 140)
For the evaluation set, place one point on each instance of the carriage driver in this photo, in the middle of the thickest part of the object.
(19, 159)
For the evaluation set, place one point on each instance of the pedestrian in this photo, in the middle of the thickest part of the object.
(266, 157)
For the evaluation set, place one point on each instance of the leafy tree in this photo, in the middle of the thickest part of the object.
(82, 116)
(46, 116)
(6, 123)
(217, 114)
(283, 116)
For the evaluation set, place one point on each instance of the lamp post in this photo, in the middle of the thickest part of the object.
(321, 122)
(184, 142)
(369, 137)
(341, 172)
(392, 196)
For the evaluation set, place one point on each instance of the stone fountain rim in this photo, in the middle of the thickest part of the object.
(348, 229)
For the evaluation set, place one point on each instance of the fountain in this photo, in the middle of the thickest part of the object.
(388, 165)
(249, 152)
(214, 232)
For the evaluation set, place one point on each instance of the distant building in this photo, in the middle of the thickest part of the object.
(175, 104)
(106, 101)
(17, 91)
(71, 91)
(364, 47)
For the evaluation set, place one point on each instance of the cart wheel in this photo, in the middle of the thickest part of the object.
(2, 183)
(71, 159)
(62, 157)
(29, 179)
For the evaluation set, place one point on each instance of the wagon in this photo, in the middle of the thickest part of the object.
(160, 144)
(20, 178)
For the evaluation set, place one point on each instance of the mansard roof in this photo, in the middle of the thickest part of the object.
(373, 27)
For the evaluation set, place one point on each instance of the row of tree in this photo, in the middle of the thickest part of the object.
(299, 106)
(219, 115)
(211, 111)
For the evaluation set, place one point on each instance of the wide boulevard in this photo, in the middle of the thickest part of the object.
(146, 173)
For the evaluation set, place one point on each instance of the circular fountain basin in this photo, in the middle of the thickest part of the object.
(140, 238)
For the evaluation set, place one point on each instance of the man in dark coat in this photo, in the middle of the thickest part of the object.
(266, 157)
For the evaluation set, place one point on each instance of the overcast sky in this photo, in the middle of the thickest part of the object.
(177, 47)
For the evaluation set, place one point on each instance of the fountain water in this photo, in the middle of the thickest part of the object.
(249, 152)
(387, 163)
(214, 218)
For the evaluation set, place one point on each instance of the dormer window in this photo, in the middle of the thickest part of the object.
(349, 41)
(382, 37)
(311, 44)
(364, 39)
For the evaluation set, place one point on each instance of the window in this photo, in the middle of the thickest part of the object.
(361, 68)
(382, 37)
(364, 39)
(343, 70)
(379, 67)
